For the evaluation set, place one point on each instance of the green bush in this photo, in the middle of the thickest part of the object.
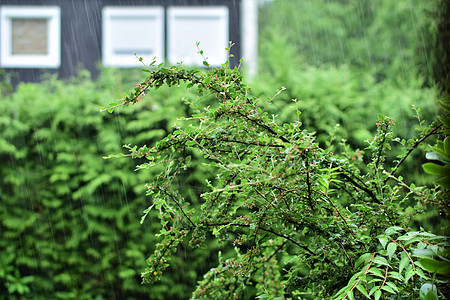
(305, 221)
(69, 220)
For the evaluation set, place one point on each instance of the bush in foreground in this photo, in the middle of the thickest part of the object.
(305, 221)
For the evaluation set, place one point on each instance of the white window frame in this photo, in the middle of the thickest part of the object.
(206, 12)
(109, 58)
(53, 57)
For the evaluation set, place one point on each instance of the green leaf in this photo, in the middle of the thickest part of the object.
(381, 261)
(190, 143)
(447, 144)
(354, 278)
(350, 295)
(383, 242)
(423, 253)
(428, 291)
(263, 296)
(434, 266)
(421, 274)
(393, 229)
(362, 259)
(409, 273)
(376, 272)
(434, 169)
(362, 290)
(391, 249)
(373, 290)
(377, 294)
(388, 289)
(392, 286)
(436, 156)
(375, 280)
(403, 262)
(396, 275)
(411, 240)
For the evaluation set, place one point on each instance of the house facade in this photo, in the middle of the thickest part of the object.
(63, 36)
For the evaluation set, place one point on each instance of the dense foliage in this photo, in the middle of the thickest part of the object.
(69, 221)
(322, 59)
(305, 221)
(389, 39)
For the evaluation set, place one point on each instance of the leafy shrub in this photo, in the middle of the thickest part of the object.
(305, 221)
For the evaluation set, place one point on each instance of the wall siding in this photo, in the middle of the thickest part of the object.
(81, 32)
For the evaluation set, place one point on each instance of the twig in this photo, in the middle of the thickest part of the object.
(173, 198)
(339, 213)
(385, 277)
(409, 152)
(361, 187)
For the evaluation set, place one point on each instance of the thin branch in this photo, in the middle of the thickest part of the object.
(385, 277)
(361, 187)
(380, 150)
(308, 185)
(274, 233)
(175, 200)
(268, 128)
(404, 250)
(411, 150)
(339, 213)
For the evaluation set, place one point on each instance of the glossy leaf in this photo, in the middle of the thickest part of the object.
(377, 294)
(391, 247)
(428, 291)
(404, 261)
(383, 241)
(361, 259)
(363, 291)
(434, 266)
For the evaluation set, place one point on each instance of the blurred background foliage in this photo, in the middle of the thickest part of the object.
(69, 220)
(347, 61)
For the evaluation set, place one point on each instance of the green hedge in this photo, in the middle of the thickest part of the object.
(69, 220)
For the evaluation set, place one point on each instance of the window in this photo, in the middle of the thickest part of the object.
(188, 25)
(132, 29)
(30, 37)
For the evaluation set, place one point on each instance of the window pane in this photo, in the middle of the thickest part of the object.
(29, 36)
(132, 29)
(189, 25)
(133, 34)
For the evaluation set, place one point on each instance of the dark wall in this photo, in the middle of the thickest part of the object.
(81, 32)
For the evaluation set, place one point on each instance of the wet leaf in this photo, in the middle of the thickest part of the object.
(391, 249)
